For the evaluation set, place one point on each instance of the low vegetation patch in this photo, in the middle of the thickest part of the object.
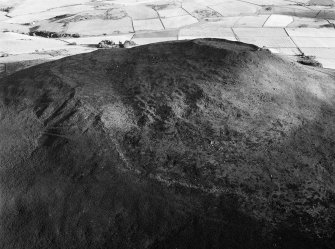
(49, 34)
(309, 61)
(6, 9)
(112, 44)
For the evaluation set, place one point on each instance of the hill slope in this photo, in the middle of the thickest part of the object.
(194, 144)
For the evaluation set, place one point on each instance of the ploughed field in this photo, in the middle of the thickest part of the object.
(190, 144)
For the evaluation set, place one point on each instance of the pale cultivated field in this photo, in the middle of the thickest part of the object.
(324, 55)
(165, 13)
(204, 30)
(148, 24)
(300, 22)
(252, 21)
(270, 42)
(314, 42)
(327, 14)
(228, 22)
(141, 12)
(100, 27)
(310, 32)
(37, 16)
(35, 6)
(234, 8)
(4, 27)
(51, 26)
(3, 16)
(287, 51)
(260, 32)
(151, 37)
(149, 40)
(178, 21)
(13, 43)
(280, 21)
(271, 2)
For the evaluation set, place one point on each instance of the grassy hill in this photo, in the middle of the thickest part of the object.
(193, 144)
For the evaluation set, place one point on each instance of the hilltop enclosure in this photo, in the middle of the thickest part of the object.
(190, 144)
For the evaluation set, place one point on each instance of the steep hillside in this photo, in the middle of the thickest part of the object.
(193, 144)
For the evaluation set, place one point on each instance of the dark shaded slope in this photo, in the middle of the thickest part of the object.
(195, 144)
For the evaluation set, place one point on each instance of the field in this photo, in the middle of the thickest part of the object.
(84, 18)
